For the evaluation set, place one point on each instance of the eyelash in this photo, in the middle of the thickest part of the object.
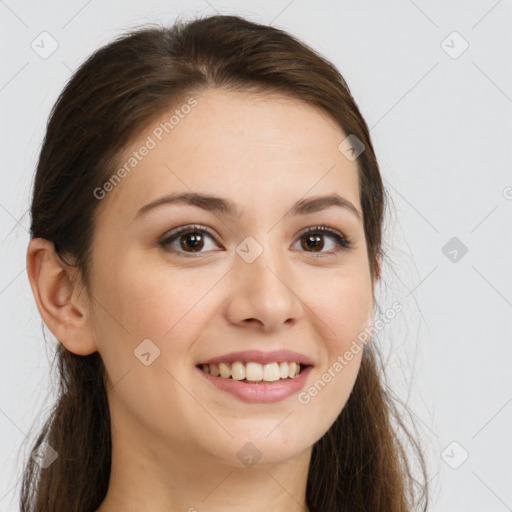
(343, 243)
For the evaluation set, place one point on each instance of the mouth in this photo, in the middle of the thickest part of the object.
(254, 373)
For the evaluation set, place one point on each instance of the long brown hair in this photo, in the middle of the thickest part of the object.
(360, 464)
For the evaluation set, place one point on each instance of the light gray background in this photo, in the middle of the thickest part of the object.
(441, 126)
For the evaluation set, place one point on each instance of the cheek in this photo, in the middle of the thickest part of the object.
(345, 307)
(163, 307)
(167, 307)
(345, 316)
(146, 299)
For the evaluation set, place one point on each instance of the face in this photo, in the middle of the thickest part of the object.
(252, 281)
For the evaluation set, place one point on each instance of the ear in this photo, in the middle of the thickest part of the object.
(63, 307)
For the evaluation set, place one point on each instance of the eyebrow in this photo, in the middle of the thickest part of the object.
(227, 207)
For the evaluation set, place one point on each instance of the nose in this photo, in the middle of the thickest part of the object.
(265, 292)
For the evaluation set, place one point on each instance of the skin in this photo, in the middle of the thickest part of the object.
(175, 437)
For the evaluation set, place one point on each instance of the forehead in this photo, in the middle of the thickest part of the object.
(255, 148)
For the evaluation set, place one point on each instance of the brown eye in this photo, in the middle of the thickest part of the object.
(312, 240)
(188, 240)
(192, 240)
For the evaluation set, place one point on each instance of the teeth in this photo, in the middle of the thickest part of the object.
(271, 372)
(214, 370)
(237, 370)
(253, 372)
(225, 371)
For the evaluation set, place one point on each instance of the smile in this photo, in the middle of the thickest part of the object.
(254, 372)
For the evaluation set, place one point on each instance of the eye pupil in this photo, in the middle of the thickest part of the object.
(314, 241)
(197, 241)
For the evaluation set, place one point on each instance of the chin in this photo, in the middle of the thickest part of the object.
(264, 450)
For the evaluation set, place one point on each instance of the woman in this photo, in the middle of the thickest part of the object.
(205, 244)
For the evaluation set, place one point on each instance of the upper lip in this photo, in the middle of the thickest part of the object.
(258, 356)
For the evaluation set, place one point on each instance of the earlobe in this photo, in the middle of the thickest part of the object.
(54, 286)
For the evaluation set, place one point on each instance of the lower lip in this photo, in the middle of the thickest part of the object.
(264, 393)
